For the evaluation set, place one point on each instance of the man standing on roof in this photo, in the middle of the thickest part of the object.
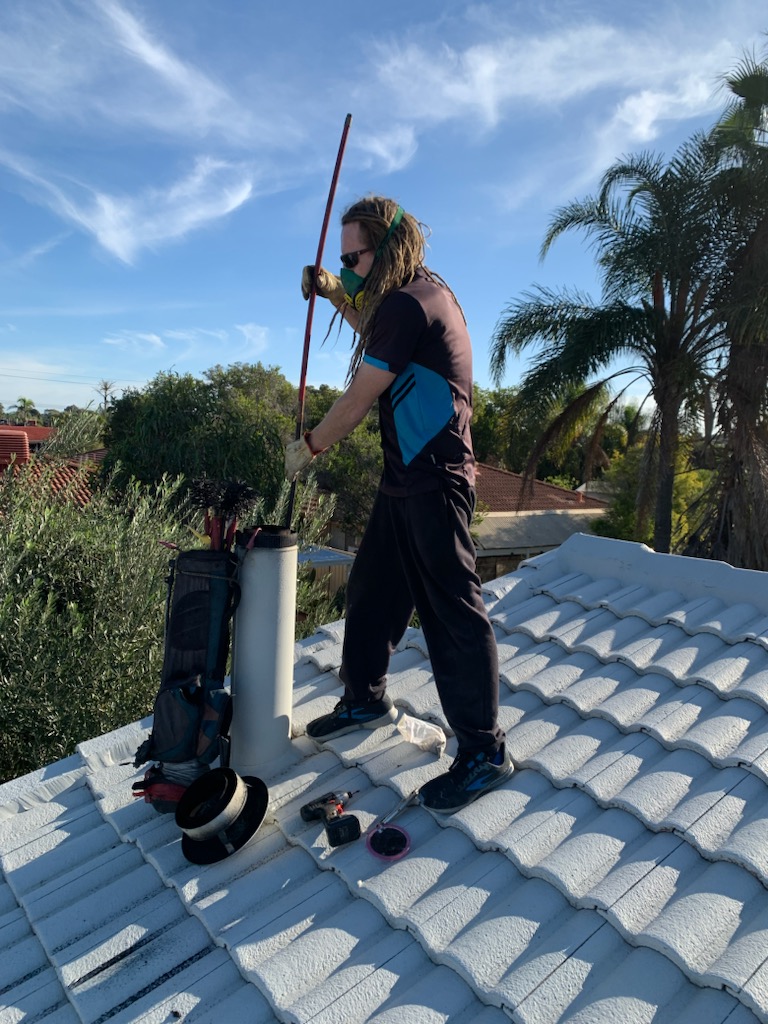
(414, 355)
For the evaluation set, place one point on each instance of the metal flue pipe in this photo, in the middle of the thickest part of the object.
(262, 649)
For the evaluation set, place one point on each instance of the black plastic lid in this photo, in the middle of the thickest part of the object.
(267, 537)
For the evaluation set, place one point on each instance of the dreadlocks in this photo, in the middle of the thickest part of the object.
(395, 266)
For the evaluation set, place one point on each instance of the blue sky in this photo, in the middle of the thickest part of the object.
(164, 166)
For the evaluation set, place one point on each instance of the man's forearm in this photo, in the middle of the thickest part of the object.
(340, 420)
(351, 408)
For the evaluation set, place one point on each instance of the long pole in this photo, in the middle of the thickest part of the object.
(311, 304)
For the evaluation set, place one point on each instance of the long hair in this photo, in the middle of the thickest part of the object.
(396, 265)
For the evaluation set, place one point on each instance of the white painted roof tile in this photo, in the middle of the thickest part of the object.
(526, 660)
(601, 634)
(591, 693)
(739, 622)
(739, 670)
(655, 608)
(622, 599)
(620, 874)
(634, 699)
(532, 617)
(566, 588)
(550, 680)
(695, 611)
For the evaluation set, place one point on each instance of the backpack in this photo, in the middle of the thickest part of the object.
(192, 708)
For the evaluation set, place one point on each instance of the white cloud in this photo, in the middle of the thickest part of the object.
(33, 253)
(91, 67)
(487, 82)
(136, 341)
(638, 83)
(124, 225)
(182, 344)
(256, 337)
(71, 62)
(389, 150)
(196, 334)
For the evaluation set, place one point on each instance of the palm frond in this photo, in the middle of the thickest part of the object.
(564, 427)
(576, 339)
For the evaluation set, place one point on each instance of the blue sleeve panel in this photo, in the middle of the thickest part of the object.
(422, 404)
(378, 363)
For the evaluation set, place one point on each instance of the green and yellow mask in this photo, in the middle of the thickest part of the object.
(354, 284)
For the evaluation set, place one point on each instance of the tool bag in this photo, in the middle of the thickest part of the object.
(192, 708)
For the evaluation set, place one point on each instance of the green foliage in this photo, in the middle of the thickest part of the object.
(554, 435)
(570, 483)
(223, 427)
(624, 478)
(312, 515)
(81, 612)
(626, 520)
(82, 603)
(272, 395)
(77, 431)
(493, 426)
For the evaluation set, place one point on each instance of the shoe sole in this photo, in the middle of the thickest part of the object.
(376, 723)
(487, 789)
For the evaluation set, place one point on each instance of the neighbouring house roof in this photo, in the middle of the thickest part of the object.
(528, 517)
(621, 874)
(64, 476)
(318, 555)
(528, 533)
(503, 491)
(36, 435)
(96, 456)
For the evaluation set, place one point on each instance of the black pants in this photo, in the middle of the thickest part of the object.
(417, 552)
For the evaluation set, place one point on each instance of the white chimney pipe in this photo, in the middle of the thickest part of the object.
(263, 633)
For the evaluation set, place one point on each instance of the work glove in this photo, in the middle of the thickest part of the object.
(328, 286)
(298, 456)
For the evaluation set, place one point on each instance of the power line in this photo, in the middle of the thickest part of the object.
(48, 379)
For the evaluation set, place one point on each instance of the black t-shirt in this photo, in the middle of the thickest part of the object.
(419, 333)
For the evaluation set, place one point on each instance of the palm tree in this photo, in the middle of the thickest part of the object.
(106, 389)
(651, 228)
(24, 409)
(734, 526)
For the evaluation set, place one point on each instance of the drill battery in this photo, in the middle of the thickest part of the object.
(340, 828)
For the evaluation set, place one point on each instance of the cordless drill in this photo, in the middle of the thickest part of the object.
(339, 827)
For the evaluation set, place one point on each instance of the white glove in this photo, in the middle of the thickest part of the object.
(327, 285)
(298, 456)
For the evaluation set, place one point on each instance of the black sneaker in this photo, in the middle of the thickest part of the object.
(469, 777)
(349, 715)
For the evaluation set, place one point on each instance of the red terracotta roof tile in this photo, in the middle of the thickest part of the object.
(33, 432)
(503, 491)
(65, 479)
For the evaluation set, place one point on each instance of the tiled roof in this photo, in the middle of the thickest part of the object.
(528, 533)
(63, 478)
(34, 433)
(620, 875)
(503, 491)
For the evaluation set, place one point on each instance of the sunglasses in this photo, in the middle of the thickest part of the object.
(351, 259)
